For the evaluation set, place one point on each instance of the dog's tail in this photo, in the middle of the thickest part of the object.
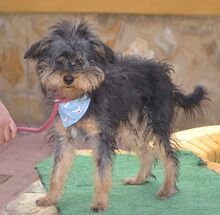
(191, 102)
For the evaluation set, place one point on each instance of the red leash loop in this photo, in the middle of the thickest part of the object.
(48, 122)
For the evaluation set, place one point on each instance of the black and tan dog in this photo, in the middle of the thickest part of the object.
(131, 98)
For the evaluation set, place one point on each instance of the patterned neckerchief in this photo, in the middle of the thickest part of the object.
(72, 111)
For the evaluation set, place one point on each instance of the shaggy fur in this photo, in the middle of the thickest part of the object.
(133, 100)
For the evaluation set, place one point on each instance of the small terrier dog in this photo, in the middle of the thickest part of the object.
(131, 100)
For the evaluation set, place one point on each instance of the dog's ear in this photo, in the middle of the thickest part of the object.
(37, 49)
(106, 53)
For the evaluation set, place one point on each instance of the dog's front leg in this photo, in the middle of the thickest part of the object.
(62, 163)
(102, 176)
(63, 156)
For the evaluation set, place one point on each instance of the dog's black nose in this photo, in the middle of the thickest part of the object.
(68, 79)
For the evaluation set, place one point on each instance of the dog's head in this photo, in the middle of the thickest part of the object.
(71, 60)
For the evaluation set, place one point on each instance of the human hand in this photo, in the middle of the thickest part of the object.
(8, 128)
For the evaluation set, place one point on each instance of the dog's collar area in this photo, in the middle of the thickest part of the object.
(57, 102)
(73, 110)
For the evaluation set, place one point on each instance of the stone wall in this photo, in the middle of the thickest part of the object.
(191, 44)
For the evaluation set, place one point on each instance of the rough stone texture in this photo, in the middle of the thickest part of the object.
(139, 46)
(166, 41)
(25, 203)
(213, 49)
(190, 44)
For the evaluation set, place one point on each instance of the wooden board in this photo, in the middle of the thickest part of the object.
(161, 7)
(204, 142)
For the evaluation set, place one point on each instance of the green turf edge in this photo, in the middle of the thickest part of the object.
(142, 198)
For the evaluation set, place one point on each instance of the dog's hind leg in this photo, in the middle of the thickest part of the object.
(146, 158)
(170, 164)
(160, 115)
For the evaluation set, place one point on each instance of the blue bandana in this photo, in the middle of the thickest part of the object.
(72, 111)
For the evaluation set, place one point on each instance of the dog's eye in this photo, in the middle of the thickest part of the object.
(78, 62)
(61, 60)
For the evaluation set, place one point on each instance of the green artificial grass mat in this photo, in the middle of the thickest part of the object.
(199, 188)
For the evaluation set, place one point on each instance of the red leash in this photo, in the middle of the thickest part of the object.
(48, 122)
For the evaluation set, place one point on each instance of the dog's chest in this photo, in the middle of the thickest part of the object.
(85, 130)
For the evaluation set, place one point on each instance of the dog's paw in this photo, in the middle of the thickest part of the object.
(133, 181)
(44, 201)
(98, 206)
(165, 193)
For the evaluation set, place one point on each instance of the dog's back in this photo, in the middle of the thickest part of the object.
(134, 84)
